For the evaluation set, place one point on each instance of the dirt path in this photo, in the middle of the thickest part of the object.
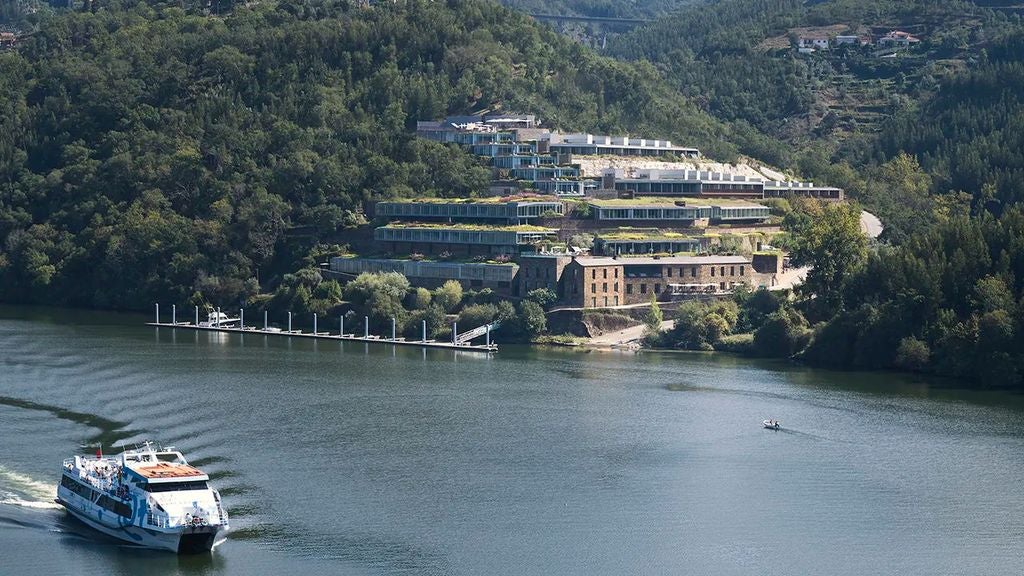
(625, 337)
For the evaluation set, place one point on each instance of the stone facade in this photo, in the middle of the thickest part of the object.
(605, 282)
(540, 271)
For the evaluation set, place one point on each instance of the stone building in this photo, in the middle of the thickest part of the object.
(605, 282)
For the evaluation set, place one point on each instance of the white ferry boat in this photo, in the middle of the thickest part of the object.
(146, 496)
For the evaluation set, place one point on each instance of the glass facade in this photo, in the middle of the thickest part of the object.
(681, 212)
(509, 211)
(458, 236)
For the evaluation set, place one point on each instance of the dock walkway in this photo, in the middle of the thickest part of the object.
(465, 347)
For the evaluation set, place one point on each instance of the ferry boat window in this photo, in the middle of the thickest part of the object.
(119, 508)
(77, 488)
(176, 486)
(168, 457)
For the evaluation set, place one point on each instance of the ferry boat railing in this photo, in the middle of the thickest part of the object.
(163, 520)
(221, 512)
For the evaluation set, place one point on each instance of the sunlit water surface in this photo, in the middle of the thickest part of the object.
(370, 459)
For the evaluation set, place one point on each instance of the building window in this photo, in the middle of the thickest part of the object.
(657, 288)
(593, 302)
(615, 286)
(604, 287)
(693, 272)
(616, 300)
(741, 270)
(593, 287)
(721, 285)
(669, 272)
(629, 288)
(732, 270)
(616, 272)
(605, 272)
(605, 300)
(643, 288)
(712, 271)
(722, 270)
(593, 274)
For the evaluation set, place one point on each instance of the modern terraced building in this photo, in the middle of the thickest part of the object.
(506, 210)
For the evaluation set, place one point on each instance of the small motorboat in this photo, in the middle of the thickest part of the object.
(771, 424)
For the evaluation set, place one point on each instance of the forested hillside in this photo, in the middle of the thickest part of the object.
(642, 9)
(734, 58)
(147, 151)
(970, 136)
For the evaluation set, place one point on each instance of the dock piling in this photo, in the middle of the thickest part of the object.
(455, 332)
(341, 325)
(264, 319)
(174, 313)
(314, 323)
(158, 313)
(289, 322)
(241, 329)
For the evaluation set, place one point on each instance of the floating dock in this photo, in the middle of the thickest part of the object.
(237, 326)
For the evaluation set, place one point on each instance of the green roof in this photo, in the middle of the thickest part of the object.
(640, 234)
(673, 202)
(484, 200)
(463, 226)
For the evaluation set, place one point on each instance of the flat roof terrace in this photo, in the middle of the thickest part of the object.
(663, 261)
(670, 202)
(587, 144)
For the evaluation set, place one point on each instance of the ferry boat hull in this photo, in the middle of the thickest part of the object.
(194, 541)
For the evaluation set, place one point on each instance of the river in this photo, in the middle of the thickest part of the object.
(351, 458)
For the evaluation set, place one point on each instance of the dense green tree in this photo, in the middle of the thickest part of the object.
(543, 296)
(531, 319)
(835, 248)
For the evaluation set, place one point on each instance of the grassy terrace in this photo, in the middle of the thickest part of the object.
(639, 234)
(484, 200)
(464, 226)
(655, 201)
(651, 234)
(428, 258)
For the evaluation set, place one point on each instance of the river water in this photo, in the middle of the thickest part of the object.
(369, 459)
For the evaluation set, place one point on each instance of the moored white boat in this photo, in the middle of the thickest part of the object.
(771, 424)
(146, 496)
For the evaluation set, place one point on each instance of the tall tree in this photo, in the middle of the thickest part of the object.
(835, 248)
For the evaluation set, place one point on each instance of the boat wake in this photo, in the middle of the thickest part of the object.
(17, 489)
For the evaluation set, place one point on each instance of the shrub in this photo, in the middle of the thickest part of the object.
(543, 296)
(912, 354)
(783, 334)
(476, 315)
(738, 343)
(449, 295)
(419, 299)
(653, 317)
